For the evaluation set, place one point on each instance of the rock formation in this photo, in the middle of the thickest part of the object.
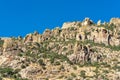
(71, 24)
(77, 51)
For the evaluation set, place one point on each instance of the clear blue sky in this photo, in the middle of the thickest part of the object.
(19, 17)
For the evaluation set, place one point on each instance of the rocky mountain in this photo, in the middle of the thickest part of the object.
(77, 51)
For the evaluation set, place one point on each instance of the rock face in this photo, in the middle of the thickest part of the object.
(71, 24)
(115, 21)
(100, 35)
(84, 54)
(87, 22)
(81, 36)
(31, 72)
(99, 23)
(35, 37)
(8, 44)
(78, 51)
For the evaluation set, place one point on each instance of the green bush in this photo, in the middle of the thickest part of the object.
(62, 67)
(82, 73)
(64, 49)
(20, 79)
(41, 62)
(116, 67)
(73, 74)
(10, 73)
(6, 70)
(23, 66)
(20, 54)
(1, 43)
(60, 77)
(74, 67)
(53, 56)
(57, 63)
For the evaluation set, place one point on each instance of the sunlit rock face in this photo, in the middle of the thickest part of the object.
(115, 21)
(99, 23)
(77, 51)
(71, 24)
(87, 22)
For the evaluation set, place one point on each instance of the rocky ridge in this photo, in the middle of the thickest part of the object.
(77, 51)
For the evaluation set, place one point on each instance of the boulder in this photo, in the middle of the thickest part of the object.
(28, 38)
(56, 31)
(8, 44)
(100, 35)
(99, 23)
(115, 21)
(47, 35)
(35, 37)
(77, 48)
(71, 24)
(87, 22)
(31, 72)
(81, 36)
(114, 42)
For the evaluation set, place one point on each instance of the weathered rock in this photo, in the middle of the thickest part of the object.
(87, 22)
(71, 24)
(50, 55)
(56, 31)
(28, 38)
(100, 35)
(115, 21)
(99, 23)
(31, 72)
(81, 36)
(8, 44)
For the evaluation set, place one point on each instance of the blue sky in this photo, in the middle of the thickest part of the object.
(19, 17)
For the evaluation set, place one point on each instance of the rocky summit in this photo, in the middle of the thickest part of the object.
(76, 51)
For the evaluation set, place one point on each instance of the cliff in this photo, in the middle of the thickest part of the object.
(77, 51)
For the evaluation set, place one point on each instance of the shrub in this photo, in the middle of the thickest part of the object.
(82, 73)
(60, 77)
(62, 67)
(0, 78)
(23, 66)
(73, 74)
(41, 62)
(20, 54)
(64, 49)
(74, 67)
(6, 72)
(71, 28)
(1, 43)
(96, 72)
(69, 78)
(105, 71)
(116, 67)
(57, 63)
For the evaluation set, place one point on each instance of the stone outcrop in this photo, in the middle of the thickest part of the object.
(31, 72)
(99, 23)
(115, 21)
(71, 24)
(100, 35)
(80, 50)
(87, 22)
(35, 37)
(8, 44)
(84, 54)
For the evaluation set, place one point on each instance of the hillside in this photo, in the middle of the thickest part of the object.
(77, 51)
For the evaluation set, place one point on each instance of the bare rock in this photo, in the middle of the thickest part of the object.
(71, 24)
(87, 22)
